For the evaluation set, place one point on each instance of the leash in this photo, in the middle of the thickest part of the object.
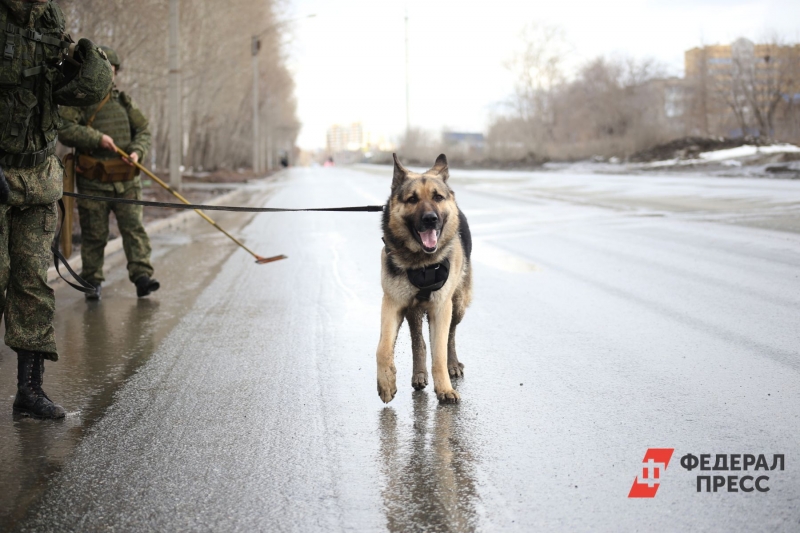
(259, 260)
(84, 286)
(236, 209)
(88, 288)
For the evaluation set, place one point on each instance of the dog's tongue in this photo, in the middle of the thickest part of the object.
(428, 238)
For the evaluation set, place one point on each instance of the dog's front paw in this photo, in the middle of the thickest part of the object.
(448, 396)
(386, 390)
(387, 384)
(456, 371)
(419, 380)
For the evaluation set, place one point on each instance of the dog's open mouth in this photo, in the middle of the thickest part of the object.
(429, 239)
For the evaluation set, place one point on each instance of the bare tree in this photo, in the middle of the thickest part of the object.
(216, 72)
(417, 145)
(539, 69)
(698, 93)
(619, 105)
(607, 108)
(744, 86)
(762, 78)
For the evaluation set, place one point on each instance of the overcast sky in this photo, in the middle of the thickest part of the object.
(349, 61)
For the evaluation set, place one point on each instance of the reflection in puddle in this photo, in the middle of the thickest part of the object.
(429, 470)
(101, 345)
(101, 353)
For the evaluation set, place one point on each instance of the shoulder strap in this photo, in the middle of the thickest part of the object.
(4, 12)
(96, 111)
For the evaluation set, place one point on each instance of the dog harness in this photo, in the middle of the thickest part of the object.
(429, 278)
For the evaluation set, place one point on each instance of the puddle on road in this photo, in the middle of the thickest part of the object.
(101, 344)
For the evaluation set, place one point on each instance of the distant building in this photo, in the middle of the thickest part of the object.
(731, 87)
(353, 143)
(345, 138)
(463, 145)
(377, 142)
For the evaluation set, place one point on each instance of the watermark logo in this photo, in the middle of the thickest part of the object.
(751, 480)
(734, 462)
(655, 463)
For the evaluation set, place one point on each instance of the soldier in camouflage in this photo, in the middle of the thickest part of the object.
(33, 82)
(96, 131)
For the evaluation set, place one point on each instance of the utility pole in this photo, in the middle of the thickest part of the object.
(408, 115)
(176, 133)
(255, 46)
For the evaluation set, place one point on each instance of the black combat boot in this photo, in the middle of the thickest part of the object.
(31, 399)
(145, 285)
(95, 295)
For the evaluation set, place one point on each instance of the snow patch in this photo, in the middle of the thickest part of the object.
(747, 150)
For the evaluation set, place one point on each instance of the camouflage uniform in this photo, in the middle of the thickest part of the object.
(32, 83)
(28, 220)
(124, 122)
(27, 228)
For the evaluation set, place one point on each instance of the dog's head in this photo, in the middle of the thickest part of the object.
(422, 209)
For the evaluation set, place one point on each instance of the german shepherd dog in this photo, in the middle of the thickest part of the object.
(425, 270)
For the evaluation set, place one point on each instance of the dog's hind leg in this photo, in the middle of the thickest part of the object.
(391, 319)
(454, 367)
(419, 378)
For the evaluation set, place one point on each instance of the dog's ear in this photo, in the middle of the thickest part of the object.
(400, 173)
(440, 167)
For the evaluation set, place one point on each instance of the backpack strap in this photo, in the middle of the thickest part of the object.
(33, 35)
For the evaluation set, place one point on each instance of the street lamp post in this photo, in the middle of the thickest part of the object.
(175, 133)
(255, 47)
(408, 113)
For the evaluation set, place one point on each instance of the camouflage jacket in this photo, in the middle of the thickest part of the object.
(119, 118)
(28, 116)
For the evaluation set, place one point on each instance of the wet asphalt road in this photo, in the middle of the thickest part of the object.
(611, 314)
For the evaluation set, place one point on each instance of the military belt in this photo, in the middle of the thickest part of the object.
(28, 159)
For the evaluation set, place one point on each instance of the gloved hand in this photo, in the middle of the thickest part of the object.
(86, 77)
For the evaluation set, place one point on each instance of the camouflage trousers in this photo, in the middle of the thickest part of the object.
(94, 233)
(27, 230)
(27, 301)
